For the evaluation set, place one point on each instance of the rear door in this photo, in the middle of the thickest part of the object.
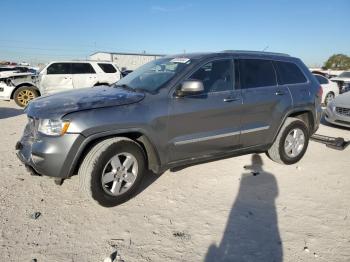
(83, 75)
(264, 102)
(290, 75)
(58, 77)
(207, 123)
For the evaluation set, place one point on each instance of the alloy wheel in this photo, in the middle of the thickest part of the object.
(119, 174)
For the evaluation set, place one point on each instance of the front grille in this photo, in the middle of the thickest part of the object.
(343, 111)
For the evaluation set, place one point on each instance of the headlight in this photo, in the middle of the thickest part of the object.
(53, 127)
(331, 106)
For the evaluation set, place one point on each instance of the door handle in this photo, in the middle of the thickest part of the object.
(279, 93)
(231, 99)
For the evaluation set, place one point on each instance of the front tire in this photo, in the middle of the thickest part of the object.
(112, 171)
(291, 142)
(24, 95)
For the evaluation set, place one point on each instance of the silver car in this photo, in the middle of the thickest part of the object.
(338, 111)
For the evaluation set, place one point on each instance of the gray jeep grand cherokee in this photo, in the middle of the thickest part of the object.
(172, 112)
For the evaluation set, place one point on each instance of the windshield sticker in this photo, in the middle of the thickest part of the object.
(182, 60)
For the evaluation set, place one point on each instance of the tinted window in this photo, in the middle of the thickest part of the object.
(107, 68)
(322, 80)
(289, 73)
(256, 73)
(58, 68)
(216, 76)
(344, 74)
(82, 68)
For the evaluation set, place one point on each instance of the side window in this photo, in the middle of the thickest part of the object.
(289, 73)
(82, 68)
(59, 69)
(322, 80)
(256, 73)
(107, 68)
(216, 76)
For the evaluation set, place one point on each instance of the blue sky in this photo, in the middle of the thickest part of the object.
(40, 31)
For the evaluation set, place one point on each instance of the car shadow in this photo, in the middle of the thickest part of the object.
(148, 179)
(251, 232)
(6, 112)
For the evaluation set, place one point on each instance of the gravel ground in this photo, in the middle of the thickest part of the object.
(218, 211)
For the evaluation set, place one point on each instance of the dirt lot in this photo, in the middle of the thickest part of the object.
(217, 211)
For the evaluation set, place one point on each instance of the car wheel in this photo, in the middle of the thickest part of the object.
(24, 94)
(329, 97)
(291, 142)
(112, 171)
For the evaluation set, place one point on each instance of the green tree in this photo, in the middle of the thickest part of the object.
(338, 62)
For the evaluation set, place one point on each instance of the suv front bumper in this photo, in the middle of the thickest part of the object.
(49, 156)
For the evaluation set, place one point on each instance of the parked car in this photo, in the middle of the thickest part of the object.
(172, 112)
(65, 75)
(343, 81)
(338, 110)
(330, 89)
(10, 71)
(20, 87)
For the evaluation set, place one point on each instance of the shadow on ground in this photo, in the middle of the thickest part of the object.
(6, 112)
(147, 180)
(251, 232)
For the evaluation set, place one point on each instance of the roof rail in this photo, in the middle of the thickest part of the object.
(254, 52)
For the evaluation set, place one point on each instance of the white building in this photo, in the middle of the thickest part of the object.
(129, 61)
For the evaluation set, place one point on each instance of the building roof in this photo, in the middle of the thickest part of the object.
(123, 53)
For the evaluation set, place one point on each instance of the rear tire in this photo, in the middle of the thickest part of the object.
(291, 142)
(104, 175)
(24, 95)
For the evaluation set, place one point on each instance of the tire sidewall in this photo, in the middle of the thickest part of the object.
(97, 191)
(284, 157)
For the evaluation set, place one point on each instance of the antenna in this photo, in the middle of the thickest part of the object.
(266, 47)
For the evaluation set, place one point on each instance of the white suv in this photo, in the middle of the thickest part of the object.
(64, 75)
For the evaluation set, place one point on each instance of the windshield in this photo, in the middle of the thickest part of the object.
(153, 75)
(344, 74)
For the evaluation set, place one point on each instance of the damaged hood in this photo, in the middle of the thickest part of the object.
(57, 105)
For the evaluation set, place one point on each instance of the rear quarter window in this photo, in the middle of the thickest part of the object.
(256, 73)
(107, 68)
(289, 73)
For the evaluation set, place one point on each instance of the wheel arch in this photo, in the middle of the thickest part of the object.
(304, 115)
(24, 84)
(151, 154)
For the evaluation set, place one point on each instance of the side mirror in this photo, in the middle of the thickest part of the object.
(190, 87)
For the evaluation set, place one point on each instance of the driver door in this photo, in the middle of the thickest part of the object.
(206, 123)
(58, 77)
